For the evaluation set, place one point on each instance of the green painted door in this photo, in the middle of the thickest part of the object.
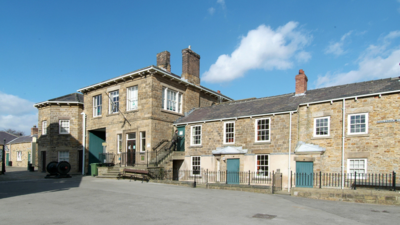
(232, 176)
(304, 174)
(7, 158)
(181, 139)
(96, 138)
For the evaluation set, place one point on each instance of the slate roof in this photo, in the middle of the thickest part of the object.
(74, 97)
(152, 67)
(7, 136)
(289, 102)
(22, 139)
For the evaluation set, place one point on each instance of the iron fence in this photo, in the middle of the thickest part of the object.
(349, 180)
(107, 159)
(222, 177)
(134, 158)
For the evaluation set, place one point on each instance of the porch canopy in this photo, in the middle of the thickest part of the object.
(305, 148)
(229, 150)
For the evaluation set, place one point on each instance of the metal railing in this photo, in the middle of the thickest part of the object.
(134, 158)
(350, 180)
(107, 159)
(222, 177)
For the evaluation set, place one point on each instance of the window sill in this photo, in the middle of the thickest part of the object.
(196, 146)
(171, 112)
(262, 143)
(322, 137)
(97, 117)
(229, 144)
(132, 111)
(356, 135)
(113, 114)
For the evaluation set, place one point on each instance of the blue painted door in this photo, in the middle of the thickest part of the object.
(304, 174)
(181, 139)
(232, 176)
(96, 139)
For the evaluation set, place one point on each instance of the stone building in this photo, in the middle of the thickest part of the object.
(299, 132)
(130, 116)
(6, 137)
(23, 150)
(60, 131)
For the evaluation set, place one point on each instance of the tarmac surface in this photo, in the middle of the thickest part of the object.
(28, 198)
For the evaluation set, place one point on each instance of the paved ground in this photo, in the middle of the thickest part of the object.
(27, 198)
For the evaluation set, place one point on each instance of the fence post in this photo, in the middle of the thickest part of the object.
(291, 179)
(249, 178)
(394, 181)
(320, 175)
(207, 178)
(273, 182)
(355, 180)
(226, 177)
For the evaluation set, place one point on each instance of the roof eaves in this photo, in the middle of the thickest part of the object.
(153, 68)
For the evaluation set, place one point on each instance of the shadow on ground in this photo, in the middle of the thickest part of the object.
(19, 181)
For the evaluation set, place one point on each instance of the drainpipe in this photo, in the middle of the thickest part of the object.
(84, 141)
(343, 139)
(290, 145)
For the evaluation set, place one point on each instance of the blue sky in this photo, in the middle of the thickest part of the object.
(247, 48)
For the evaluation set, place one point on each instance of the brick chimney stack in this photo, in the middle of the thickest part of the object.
(34, 130)
(301, 82)
(191, 66)
(164, 60)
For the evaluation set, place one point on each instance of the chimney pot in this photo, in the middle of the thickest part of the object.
(301, 71)
(219, 92)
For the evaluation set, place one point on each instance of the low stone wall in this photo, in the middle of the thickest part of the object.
(347, 195)
(247, 188)
(102, 170)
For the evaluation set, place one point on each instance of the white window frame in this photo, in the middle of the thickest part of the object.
(192, 139)
(234, 132)
(256, 130)
(131, 139)
(315, 126)
(351, 174)
(119, 143)
(192, 166)
(132, 97)
(262, 165)
(63, 158)
(19, 156)
(113, 94)
(44, 127)
(349, 124)
(60, 122)
(177, 100)
(97, 105)
(142, 146)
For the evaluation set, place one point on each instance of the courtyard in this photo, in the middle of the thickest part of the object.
(28, 198)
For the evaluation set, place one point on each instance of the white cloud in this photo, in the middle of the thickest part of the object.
(262, 48)
(376, 62)
(11, 104)
(336, 48)
(211, 10)
(17, 113)
(222, 3)
(22, 123)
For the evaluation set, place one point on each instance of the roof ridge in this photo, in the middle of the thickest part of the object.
(391, 78)
(71, 94)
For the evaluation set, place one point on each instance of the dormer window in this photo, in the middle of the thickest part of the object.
(171, 100)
